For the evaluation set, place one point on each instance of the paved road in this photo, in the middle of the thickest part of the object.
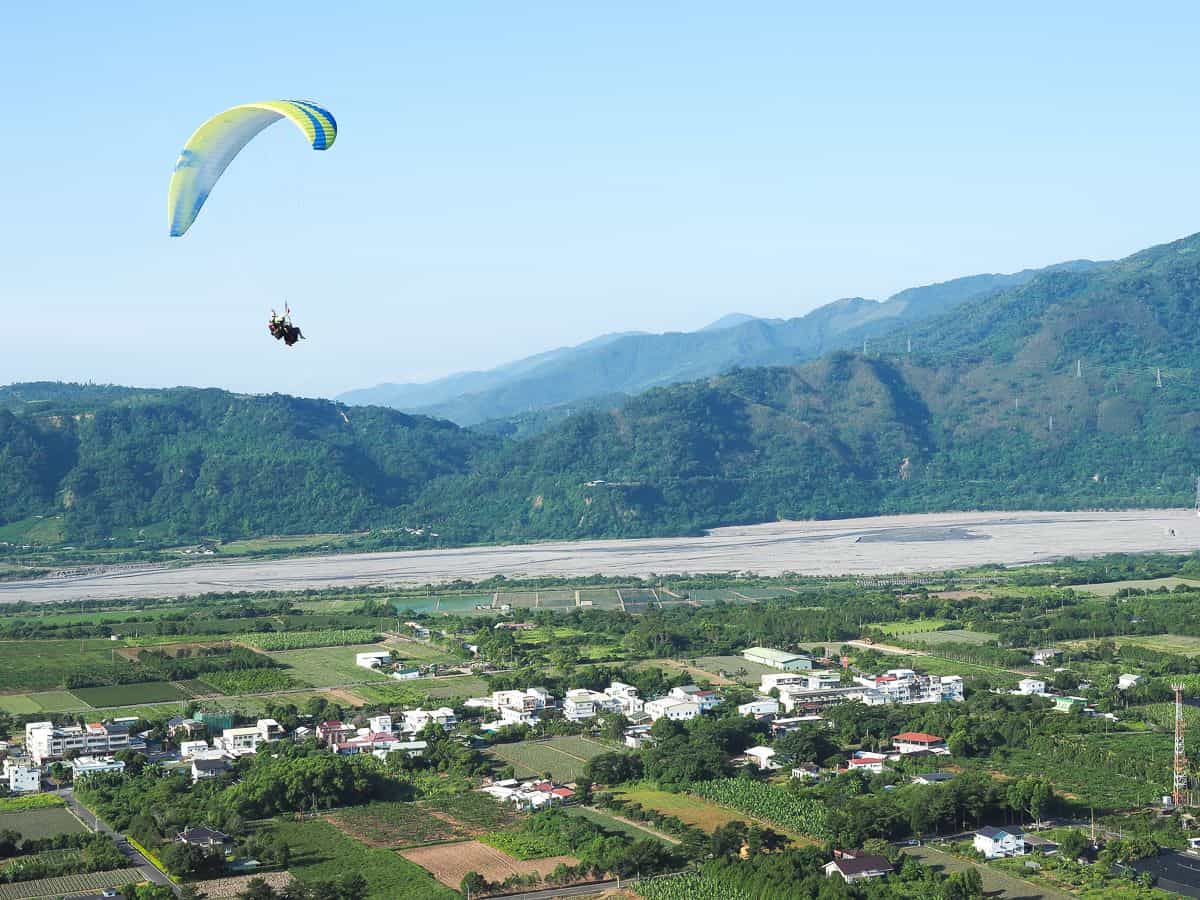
(995, 883)
(868, 546)
(149, 871)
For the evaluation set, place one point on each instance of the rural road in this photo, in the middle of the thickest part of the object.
(149, 871)
(868, 546)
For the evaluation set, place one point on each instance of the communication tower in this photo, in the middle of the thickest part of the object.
(1179, 789)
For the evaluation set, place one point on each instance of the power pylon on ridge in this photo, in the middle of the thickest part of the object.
(1180, 781)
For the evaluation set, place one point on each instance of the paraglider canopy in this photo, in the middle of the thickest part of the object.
(214, 145)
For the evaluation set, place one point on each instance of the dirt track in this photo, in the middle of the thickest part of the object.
(870, 546)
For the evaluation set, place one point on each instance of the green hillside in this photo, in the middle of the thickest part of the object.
(964, 421)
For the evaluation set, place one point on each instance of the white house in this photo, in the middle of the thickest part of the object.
(208, 767)
(625, 696)
(373, 659)
(1127, 681)
(22, 776)
(381, 723)
(759, 707)
(866, 761)
(188, 749)
(995, 843)
(918, 741)
(416, 719)
(807, 772)
(763, 756)
(580, 703)
(45, 740)
(690, 693)
(1031, 687)
(638, 736)
(670, 708)
(240, 741)
(95, 765)
(405, 674)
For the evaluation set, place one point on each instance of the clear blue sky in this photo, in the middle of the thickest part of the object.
(513, 177)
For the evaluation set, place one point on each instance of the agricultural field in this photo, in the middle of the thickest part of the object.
(416, 651)
(1182, 644)
(43, 702)
(450, 818)
(450, 862)
(299, 640)
(516, 599)
(563, 757)
(686, 886)
(995, 883)
(950, 636)
(248, 681)
(1109, 588)
(901, 629)
(130, 694)
(70, 884)
(794, 814)
(1163, 715)
(328, 666)
(555, 599)
(599, 598)
(41, 823)
(320, 853)
(686, 807)
(44, 665)
(939, 665)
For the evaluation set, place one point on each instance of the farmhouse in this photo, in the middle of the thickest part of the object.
(858, 867)
(807, 772)
(188, 749)
(997, 843)
(333, 731)
(1045, 656)
(866, 761)
(777, 659)
(207, 838)
(1069, 704)
(1127, 681)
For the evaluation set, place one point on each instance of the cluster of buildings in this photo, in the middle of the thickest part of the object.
(382, 659)
(907, 744)
(528, 706)
(528, 795)
(807, 692)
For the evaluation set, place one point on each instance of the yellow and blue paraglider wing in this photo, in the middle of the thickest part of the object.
(214, 145)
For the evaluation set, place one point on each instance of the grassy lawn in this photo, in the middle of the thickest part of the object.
(1183, 644)
(995, 883)
(686, 808)
(44, 665)
(563, 757)
(753, 671)
(604, 820)
(130, 694)
(321, 853)
(328, 666)
(951, 635)
(40, 823)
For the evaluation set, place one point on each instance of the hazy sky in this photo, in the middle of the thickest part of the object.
(512, 177)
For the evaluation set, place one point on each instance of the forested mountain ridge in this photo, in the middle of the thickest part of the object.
(1073, 389)
(626, 364)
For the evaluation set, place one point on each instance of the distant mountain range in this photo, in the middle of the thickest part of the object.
(1074, 387)
(545, 388)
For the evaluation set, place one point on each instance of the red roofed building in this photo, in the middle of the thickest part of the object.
(334, 732)
(916, 741)
(563, 793)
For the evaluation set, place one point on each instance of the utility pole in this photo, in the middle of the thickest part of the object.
(1180, 780)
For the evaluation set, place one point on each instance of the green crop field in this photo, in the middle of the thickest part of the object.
(898, 629)
(248, 681)
(19, 705)
(1183, 644)
(563, 757)
(40, 823)
(64, 885)
(328, 666)
(130, 694)
(44, 665)
(320, 852)
(58, 701)
(453, 817)
(415, 650)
